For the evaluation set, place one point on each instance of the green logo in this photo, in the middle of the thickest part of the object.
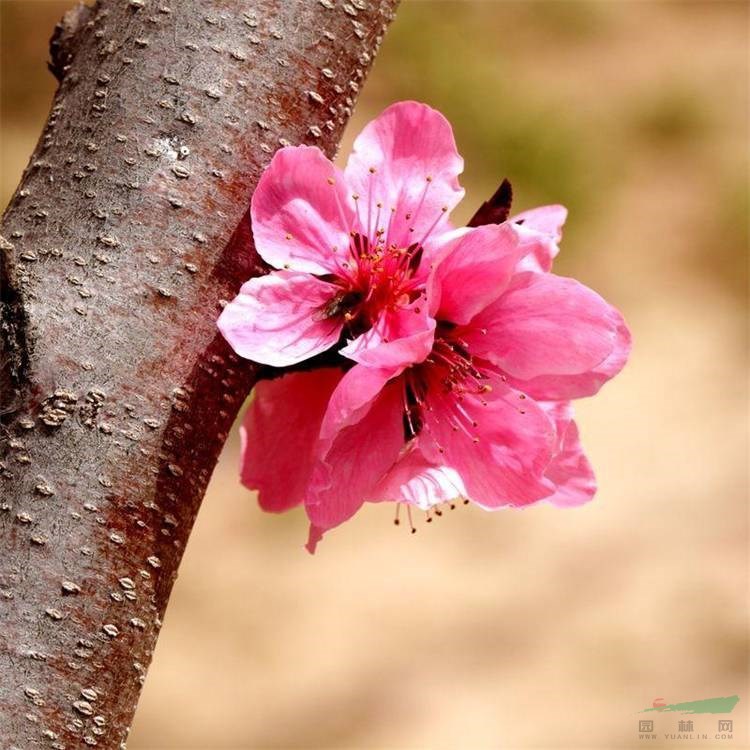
(706, 706)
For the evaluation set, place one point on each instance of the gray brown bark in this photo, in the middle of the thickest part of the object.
(127, 232)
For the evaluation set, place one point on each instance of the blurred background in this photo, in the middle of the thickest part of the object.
(535, 629)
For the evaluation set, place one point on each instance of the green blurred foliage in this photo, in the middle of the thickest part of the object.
(504, 129)
(723, 247)
(671, 118)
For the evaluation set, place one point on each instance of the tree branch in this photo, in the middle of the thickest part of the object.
(122, 241)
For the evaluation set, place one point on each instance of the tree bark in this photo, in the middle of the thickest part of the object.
(127, 233)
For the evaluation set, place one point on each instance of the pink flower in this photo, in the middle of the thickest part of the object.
(352, 248)
(463, 351)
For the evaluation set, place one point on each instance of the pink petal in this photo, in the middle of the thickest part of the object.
(474, 272)
(354, 459)
(298, 216)
(542, 228)
(405, 145)
(277, 320)
(515, 439)
(399, 338)
(546, 219)
(548, 387)
(352, 399)
(436, 248)
(279, 433)
(545, 325)
(569, 470)
(416, 481)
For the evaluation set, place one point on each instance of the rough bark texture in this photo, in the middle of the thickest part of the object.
(125, 236)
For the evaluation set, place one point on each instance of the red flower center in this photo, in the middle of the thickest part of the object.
(450, 370)
(374, 277)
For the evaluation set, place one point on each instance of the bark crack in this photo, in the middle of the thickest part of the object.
(14, 322)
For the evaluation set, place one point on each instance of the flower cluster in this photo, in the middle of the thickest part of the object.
(441, 362)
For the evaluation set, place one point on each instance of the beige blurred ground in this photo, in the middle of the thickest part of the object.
(535, 629)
